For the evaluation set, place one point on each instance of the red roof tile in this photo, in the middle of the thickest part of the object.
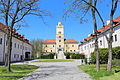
(50, 41)
(103, 29)
(71, 41)
(15, 34)
(117, 19)
(66, 40)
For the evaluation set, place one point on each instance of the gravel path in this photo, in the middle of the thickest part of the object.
(57, 71)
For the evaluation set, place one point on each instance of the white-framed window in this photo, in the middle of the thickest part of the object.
(59, 45)
(115, 37)
(72, 45)
(59, 32)
(59, 36)
(0, 40)
(18, 46)
(14, 45)
(100, 42)
(59, 40)
(66, 45)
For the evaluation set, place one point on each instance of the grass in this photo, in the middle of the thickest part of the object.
(103, 74)
(53, 60)
(18, 71)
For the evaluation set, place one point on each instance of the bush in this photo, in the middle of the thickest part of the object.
(104, 55)
(74, 56)
(47, 56)
(67, 55)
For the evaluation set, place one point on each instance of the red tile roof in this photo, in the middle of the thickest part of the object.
(15, 34)
(102, 29)
(66, 40)
(71, 41)
(117, 19)
(50, 41)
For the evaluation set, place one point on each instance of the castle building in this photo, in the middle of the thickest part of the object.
(60, 45)
(87, 45)
(21, 48)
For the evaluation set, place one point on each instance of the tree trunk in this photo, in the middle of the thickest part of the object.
(96, 40)
(97, 54)
(109, 66)
(9, 50)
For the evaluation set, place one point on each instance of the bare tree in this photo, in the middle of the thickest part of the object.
(85, 6)
(13, 12)
(109, 38)
(37, 45)
(114, 4)
(111, 31)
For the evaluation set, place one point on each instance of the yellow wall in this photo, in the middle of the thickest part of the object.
(69, 48)
(49, 48)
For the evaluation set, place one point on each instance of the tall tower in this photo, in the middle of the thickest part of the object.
(60, 41)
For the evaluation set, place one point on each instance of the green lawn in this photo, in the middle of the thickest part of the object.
(103, 74)
(53, 60)
(18, 71)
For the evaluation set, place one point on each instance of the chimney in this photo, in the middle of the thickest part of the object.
(108, 22)
(89, 35)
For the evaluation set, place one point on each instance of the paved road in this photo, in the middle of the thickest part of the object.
(57, 71)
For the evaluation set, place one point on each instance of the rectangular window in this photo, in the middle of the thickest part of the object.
(72, 45)
(74, 50)
(59, 36)
(51, 50)
(59, 45)
(59, 40)
(15, 45)
(53, 46)
(46, 46)
(46, 50)
(66, 45)
(18, 46)
(70, 50)
(0, 40)
(59, 32)
(112, 39)
(116, 37)
(100, 42)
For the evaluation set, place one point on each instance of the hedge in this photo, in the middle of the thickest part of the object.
(74, 56)
(104, 55)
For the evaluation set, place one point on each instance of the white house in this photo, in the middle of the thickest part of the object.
(87, 45)
(21, 48)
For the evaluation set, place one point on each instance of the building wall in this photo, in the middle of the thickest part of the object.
(49, 48)
(102, 42)
(2, 49)
(71, 47)
(19, 48)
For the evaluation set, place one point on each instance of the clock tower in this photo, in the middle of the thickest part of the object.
(60, 41)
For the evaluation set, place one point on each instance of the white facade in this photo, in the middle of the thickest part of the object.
(88, 47)
(20, 49)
